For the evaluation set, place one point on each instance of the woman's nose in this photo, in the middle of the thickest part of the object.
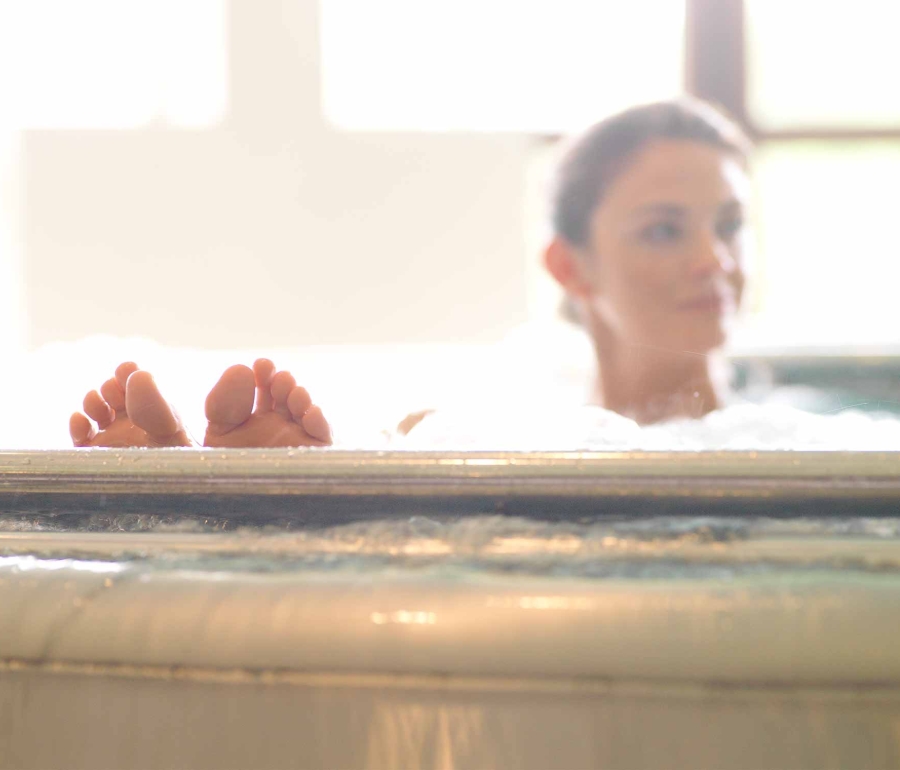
(712, 255)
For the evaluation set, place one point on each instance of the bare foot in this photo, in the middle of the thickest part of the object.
(129, 411)
(284, 414)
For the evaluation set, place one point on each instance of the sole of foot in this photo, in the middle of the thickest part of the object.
(262, 407)
(128, 411)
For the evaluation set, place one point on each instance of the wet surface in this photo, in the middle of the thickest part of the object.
(653, 548)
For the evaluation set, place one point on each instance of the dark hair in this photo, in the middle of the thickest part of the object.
(597, 157)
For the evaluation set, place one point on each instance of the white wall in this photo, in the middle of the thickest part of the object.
(12, 324)
(272, 229)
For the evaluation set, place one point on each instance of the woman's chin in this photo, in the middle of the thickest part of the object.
(709, 338)
(694, 336)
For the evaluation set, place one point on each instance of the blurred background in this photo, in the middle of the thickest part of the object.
(224, 174)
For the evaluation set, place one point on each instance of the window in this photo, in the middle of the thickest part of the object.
(96, 64)
(814, 65)
(819, 80)
(829, 263)
(543, 66)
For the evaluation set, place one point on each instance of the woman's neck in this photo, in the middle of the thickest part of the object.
(653, 386)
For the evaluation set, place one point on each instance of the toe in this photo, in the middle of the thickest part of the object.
(315, 424)
(80, 429)
(282, 385)
(124, 371)
(263, 372)
(230, 402)
(147, 408)
(113, 394)
(298, 402)
(98, 410)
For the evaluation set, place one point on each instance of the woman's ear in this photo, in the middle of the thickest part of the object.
(565, 264)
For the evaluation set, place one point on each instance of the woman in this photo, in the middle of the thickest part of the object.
(649, 242)
(648, 218)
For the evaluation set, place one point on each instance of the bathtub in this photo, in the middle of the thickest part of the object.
(292, 608)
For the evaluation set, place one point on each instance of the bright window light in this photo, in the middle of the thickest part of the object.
(828, 247)
(541, 66)
(113, 64)
(812, 63)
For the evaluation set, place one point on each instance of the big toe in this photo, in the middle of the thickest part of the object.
(230, 402)
(147, 408)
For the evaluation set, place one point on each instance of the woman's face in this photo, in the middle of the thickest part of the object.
(665, 263)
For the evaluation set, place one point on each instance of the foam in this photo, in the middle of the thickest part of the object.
(739, 427)
(488, 397)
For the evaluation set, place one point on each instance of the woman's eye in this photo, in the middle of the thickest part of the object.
(728, 229)
(661, 232)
